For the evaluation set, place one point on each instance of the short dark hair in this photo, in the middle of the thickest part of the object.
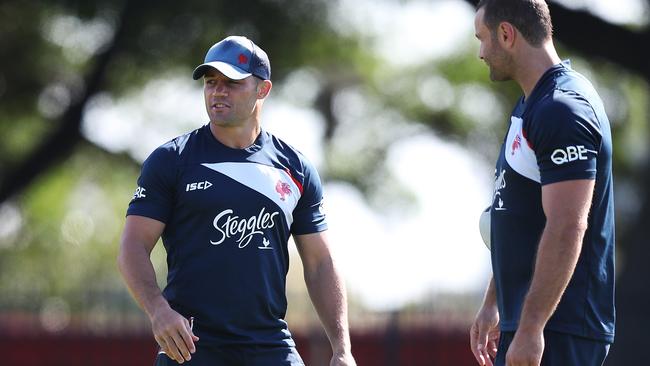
(531, 17)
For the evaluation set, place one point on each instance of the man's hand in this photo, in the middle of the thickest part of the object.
(343, 359)
(484, 335)
(526, 348)
(173, 333)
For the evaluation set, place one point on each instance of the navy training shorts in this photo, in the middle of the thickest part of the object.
(238, 356)
(561, 349)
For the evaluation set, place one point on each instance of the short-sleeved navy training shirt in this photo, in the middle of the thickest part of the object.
(228, 215)
(560, 133)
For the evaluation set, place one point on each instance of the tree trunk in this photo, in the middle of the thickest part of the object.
(632, 290)
(60, 144)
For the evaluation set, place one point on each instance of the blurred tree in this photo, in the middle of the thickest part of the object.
(57, 189)
(128, 43)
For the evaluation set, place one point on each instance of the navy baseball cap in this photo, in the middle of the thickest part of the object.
(236, 57)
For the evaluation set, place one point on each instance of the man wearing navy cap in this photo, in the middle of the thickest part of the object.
(225, 198)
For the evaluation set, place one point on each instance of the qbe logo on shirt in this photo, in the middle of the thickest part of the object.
(569, 154)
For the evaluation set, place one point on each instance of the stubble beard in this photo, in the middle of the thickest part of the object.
(500, 68)
(496, 75)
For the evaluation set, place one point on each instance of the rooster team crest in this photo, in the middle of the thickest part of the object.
(283, 189)
(516, 144)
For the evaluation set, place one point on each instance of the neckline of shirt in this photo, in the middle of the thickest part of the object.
(256, 146)
(564, 65)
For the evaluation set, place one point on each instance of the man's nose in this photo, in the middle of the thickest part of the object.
(220, 88)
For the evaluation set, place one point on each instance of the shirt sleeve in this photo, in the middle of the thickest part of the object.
(154, 196)
(565, 135)
(309, 215)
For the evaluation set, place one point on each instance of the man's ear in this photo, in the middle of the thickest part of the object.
(506, 35)
(264, 88)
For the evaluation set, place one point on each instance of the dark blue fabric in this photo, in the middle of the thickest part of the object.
(561, 349)
(229, 214)
(238, 356)
(239, 52)
(566, 135)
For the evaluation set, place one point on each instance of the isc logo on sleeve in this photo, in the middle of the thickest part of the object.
(569, 154)
(198, 186)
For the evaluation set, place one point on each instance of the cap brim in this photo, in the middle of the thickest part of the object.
(231, 72)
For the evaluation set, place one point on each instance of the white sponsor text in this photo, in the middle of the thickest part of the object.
(241, 229)
(198, 186)
(139, 193)
(569, 154)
